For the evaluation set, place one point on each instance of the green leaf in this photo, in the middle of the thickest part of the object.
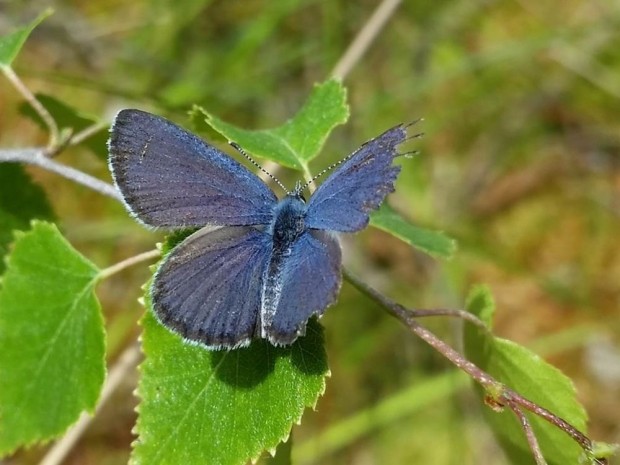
(604, 450)
(530, 376)
(51, 338)
(298, 140)
(282, 455)
(11, 44)
(224, 407)
(21, 200)
(67, 117)
(434, 243)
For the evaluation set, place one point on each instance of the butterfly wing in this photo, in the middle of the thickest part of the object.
(359, 185)
(208, 289)
(299, 285)
(170, 178)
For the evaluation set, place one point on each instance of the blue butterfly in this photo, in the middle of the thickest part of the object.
(259, 267)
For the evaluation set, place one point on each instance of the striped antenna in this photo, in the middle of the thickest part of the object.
(334, 165)
(238, 148)
(322, 172)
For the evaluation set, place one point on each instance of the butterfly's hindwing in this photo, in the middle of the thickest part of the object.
(299, 283)
(208, 289)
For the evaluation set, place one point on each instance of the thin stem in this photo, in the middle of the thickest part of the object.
(529, 434)
(308, 177)
(109, 271)
(516, 398)
(116, 375)
(364, 38)
(405, 316)
(502, 395)
(88, 132)
(36, 156)
(35, 104)
(462, 314)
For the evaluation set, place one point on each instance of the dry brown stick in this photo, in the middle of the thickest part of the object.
(499, 394)
(364, 38)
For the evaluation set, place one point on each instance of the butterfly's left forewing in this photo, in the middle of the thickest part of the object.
(359, 185)
(170, 178)
(208, 289)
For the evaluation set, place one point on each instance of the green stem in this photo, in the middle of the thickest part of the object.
(116, 268)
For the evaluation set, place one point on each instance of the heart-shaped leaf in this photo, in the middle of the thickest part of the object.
(529, 375)
(51, 338)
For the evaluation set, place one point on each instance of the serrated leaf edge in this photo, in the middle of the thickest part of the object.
(252, 458)
(43, 440)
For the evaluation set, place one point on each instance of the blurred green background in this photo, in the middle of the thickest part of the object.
(520, 163)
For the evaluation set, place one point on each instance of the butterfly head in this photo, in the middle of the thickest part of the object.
(297, 193)
(289, 217)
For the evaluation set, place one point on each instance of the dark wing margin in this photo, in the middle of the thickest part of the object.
(300, 285)
(208, 288)
(359, 185)
(172, 179)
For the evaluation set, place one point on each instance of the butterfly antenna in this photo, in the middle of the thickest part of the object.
(413, 123)
(238, 148)
(329, 168)
(410, 154)
(419, 135)
(334, 165)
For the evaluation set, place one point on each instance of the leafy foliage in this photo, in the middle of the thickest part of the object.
(32, 204)
(496, 169)
(11, 44)
(434, 243)
(222, 407)
(532, 377)
(69, 118)
(51, 338)
(298, 140)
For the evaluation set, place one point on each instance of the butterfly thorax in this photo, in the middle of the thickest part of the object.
(288, 220)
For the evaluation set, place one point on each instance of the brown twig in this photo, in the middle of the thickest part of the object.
(500, 395)
(461, 314)
(529, 434)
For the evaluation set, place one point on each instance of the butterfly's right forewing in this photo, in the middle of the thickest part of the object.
(171, 179)
(358, 186)
(208, 289)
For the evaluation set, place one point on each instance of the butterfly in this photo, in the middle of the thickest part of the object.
(259, 267)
